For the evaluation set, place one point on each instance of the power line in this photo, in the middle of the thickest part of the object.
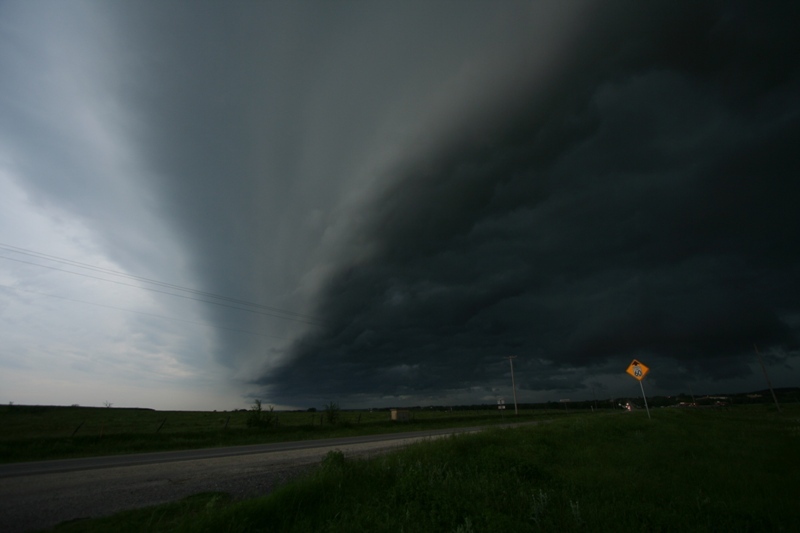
(145, 314)
(252, 307)
(163, 292)
(71, 262)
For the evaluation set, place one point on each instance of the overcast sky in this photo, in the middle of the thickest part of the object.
(376, 203)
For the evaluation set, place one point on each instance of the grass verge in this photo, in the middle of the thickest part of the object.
(165, 517)
(681, 471)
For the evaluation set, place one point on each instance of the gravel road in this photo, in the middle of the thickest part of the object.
(38, 501)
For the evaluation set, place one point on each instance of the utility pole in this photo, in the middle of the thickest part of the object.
(761, 361)
(513, 385)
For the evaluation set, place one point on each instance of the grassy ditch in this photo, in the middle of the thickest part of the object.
(682, 471)
(32, 433)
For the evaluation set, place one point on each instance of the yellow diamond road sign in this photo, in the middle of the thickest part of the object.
(637, 370)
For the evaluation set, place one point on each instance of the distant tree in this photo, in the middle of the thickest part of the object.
(332, 412)
(107, 404)
(258, 416)
(312, 409)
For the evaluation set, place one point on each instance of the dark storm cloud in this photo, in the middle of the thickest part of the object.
(259, 121)
(643, 201)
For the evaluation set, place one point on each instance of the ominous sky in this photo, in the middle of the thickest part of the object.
(375, 203)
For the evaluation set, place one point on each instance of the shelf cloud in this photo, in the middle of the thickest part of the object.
(403, 194)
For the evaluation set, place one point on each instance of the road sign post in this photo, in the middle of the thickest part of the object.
(639, 371)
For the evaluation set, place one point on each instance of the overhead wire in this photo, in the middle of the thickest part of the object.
(71, 262)
(143, 313)
(251, 307)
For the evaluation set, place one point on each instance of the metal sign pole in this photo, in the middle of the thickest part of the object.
(639, 371)
(645, 399)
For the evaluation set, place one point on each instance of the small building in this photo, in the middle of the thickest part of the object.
(399, 414)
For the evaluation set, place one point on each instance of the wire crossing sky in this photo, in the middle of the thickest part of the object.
(378, 203)
(176, 290)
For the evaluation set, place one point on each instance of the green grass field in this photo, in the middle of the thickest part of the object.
(33, 433)
(684, 470)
